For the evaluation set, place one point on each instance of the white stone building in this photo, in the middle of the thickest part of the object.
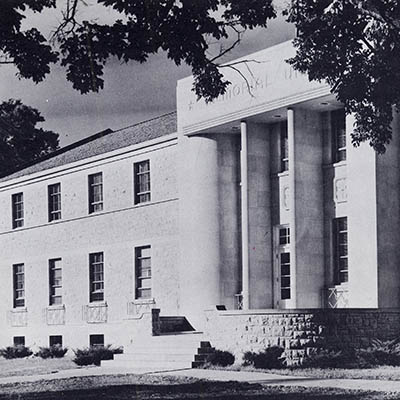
(256, 201)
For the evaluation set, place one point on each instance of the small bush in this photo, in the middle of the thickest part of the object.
(270, 358)
(55, 351)
(379, 353)
(94, 355)
(18, 351)
(331, 358)
(221, 358)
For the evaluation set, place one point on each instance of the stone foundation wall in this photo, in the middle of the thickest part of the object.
(299, 332)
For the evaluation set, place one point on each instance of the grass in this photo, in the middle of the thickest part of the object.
(387, 373)
(34, 366)
(141, 387)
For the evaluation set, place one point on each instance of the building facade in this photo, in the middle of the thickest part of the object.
(255, 201)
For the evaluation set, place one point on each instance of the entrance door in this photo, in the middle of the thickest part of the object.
(282, 270)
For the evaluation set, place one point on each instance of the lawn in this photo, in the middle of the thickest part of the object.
(141, 387)
(34, 366)
(387, 373)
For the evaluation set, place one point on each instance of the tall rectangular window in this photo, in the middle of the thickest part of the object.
(95, 192)
(17, 210)
(340, 250)
(143, 272)
(55, 282)
(54, 201)
(285, 275)
(142, 181)
(19, 285)
(96, 261)
(284, 147)
(338, 126)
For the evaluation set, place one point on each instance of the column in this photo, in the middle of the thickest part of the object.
(199, 270)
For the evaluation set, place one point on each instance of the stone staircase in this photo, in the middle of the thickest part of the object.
(170, 350)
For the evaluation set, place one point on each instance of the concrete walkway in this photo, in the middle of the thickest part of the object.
(219, 375)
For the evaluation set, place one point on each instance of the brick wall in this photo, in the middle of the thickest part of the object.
(299, 332)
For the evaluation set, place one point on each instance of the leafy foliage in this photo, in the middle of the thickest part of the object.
(269, 358)
(221, 358)
(355, 46)
(21, 141)
(379, 353)
(18, 351)
(55, 351)
(94, 354)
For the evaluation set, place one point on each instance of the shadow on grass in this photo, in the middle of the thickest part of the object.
(198, 390)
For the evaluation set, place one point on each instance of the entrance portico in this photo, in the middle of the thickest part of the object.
(277, 206)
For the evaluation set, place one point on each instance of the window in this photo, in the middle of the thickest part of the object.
(95, 192)
(96, 261)
(55, 340)
(96, 340)
(17, 210)
(285, 275)
(55, 282)
(143, 272)
(142, 181)
(54, 200)
(284, 147)
(338, 126)
(340, 250)
(19, 285)
(19, 340)
(284, 235)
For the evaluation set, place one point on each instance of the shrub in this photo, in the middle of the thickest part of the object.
(379, 353)
(221, 358)
(331, 358)
(17, 351)
(55, 351)
(269, 358)
(94, 355)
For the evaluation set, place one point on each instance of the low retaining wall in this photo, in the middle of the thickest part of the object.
(299, 332)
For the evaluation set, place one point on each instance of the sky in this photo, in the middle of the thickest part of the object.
(132, 92)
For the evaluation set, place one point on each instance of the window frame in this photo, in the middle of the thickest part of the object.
(20, 339)
(96, 285)
(339, 140)
(53, 285)
(142, 178)
(284, 147)
(340, 251)
(139, 277)
(17, 213)
(54, 342)
(92, 337)
(95, 189)
(54, 201)
(18, 300)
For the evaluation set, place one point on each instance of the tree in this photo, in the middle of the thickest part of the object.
(353, 44)
(21, 142)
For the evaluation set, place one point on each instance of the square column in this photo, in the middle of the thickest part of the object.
(362, 223)
(259, 217)
(306, 211)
